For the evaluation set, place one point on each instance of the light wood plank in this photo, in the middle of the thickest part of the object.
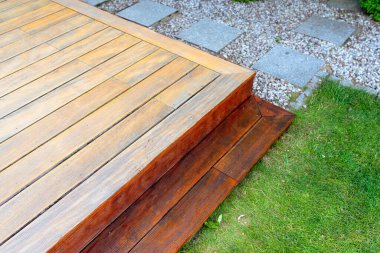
(5, 5)
(14, 23)
(41, 37)
(22, 9)
(33, 165)
(56, 78)
(40, 68)
(34, 111)
(41, 86)
(46, 22)
(108, 50)
(25, 59)
(10, 37)
(38, 133)
(78, 34)
(187, 87)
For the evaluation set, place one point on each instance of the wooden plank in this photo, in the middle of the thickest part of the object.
(41, 37)
(48, 21)
(186, 88)
(22, 143)
(40, 68)
(108, 50)
(188, 215)
(113, 176)
(162, 41)
(10, 37)
(76, 35)
(34, 111)
(22, 9)
(253, 146)
(268, 109)
(6, 5)
(34, 165)
(28, 93)
(14, 23)
(17, 212)
(56, 78)
(25, 59)
(138, 219)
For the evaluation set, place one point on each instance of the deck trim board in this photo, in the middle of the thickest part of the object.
(157, 39)
(90, 126)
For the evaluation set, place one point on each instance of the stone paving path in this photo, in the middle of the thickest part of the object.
(281, 62)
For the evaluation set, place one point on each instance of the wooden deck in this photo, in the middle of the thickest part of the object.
(94, 110)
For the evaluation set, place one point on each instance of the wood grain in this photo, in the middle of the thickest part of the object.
(188, 215)
(253, 146)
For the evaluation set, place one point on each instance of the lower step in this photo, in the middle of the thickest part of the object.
(169, 213)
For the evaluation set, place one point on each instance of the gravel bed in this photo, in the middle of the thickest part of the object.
(268, 22)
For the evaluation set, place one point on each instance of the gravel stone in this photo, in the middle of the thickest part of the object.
(267, 23)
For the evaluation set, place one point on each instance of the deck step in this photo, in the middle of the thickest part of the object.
(173, 209)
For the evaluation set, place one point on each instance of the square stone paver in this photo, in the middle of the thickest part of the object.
(210, 34)
(146, 12)
(334, 31)
(349, 5)
(95, 2)
(290, 65)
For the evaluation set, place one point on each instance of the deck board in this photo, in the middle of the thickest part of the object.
(93, 111)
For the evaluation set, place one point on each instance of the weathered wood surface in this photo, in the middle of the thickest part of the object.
(93, 111)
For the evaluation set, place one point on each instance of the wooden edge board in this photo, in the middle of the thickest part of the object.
(143, 33)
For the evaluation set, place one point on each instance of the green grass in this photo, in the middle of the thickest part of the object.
(316, 190)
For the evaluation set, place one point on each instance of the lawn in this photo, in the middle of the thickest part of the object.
(316, 190)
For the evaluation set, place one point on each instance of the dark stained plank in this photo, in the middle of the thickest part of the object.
(188, 215)
(268, 109)
(137, 220)
(253, 146)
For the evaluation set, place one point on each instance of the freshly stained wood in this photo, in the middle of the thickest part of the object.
(123, 234)
(93, 111)
(174, 208)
